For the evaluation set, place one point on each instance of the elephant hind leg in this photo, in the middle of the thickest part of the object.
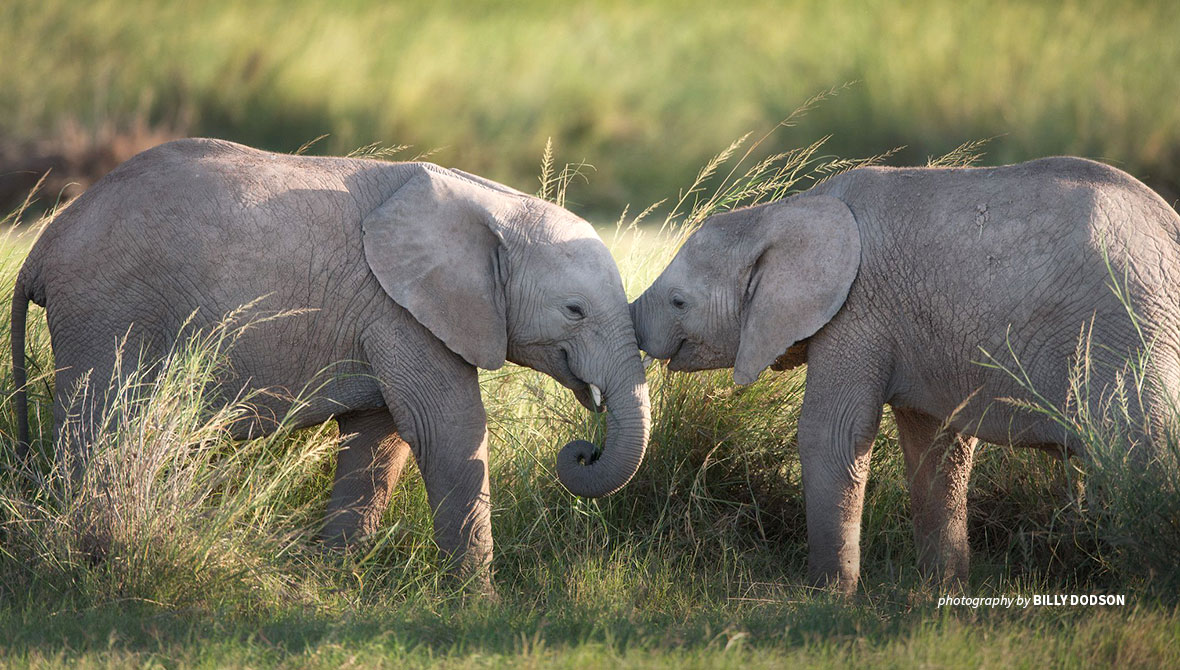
(372, 456)
(938, 467)
(1160, 398)
(97, 389)
(98, 392)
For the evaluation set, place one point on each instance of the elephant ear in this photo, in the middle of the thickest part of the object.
(806, 256)
(435, 246)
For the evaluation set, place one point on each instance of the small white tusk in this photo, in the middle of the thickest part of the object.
(596, 394)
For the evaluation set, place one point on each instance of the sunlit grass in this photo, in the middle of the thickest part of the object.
(644, 92)
(211, 558)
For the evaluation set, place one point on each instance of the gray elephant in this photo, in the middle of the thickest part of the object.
(930, 290)
(408, 277)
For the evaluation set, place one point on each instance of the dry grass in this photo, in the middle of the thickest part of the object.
(210, 557)
(645, 93)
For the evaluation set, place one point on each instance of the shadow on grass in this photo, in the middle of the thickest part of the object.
(815, 626)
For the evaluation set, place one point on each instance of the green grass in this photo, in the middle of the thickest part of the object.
(699, 562)
(643, 91)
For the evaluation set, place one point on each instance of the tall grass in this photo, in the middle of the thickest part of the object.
(702, 557)
(164, 506)
(644, 92)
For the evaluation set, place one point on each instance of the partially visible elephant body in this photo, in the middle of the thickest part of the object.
(1025, 267)
(196, 232)
(389, 285)
(979, 290)
(954, 295)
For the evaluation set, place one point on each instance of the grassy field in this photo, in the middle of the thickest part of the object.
(699, 562)
(645, 92)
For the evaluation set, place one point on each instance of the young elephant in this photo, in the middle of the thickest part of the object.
(893, 285)
(409, 277)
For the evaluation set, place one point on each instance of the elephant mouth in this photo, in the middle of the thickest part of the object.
(674, 362)
(590, 395)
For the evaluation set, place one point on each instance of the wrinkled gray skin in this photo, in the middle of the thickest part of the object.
(891, 284)
(416, 275)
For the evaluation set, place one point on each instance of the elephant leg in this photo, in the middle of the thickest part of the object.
(96, 390)
(938, 467)
(434, 398)
(73, 417)
(90, 398)
(369, 464)
(76, 424)
(837, 427)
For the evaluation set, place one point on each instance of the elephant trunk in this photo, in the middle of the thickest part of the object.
(658, 346)
(587, 472)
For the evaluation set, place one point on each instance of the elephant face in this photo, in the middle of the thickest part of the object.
(689, 315)
(750, 284)
(498, 275)
(567, 313)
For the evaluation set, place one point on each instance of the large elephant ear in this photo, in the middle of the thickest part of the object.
(435, 247)
(805, 259)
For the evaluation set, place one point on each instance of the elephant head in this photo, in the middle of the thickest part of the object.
(499, 275)
(750, 284)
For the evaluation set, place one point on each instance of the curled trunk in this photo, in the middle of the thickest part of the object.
(591, 473)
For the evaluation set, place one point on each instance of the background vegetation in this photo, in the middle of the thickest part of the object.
(700, 561)
(645, 92)
(212, 557)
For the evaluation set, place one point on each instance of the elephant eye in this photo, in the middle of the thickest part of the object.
(678, 302)
(575, 311)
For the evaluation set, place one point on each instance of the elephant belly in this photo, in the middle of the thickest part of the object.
(1001, 423)
(985, 404)
(300, 385)
(995, 421)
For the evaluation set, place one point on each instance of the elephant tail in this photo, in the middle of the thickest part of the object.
(21, 296)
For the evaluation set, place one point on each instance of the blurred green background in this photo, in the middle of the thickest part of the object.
(645, 92)
(700, 562)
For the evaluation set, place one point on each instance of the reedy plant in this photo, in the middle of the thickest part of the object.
(165, 506)
(715, 515)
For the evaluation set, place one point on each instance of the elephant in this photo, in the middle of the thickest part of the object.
(958, 296)
(399, 280)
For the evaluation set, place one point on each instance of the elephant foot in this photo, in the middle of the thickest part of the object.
(469, 586)
(481, 590)
(833, 581)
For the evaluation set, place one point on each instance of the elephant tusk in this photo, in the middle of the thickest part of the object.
(596, 394)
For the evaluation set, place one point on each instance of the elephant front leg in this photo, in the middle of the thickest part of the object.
(455, 471)
(938, 467)
(433, 396)
(371, 459)
(837, 427)
(450, 445)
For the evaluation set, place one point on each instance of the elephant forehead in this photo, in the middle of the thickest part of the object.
(693, 263)
(578, 253)
(575, 266)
